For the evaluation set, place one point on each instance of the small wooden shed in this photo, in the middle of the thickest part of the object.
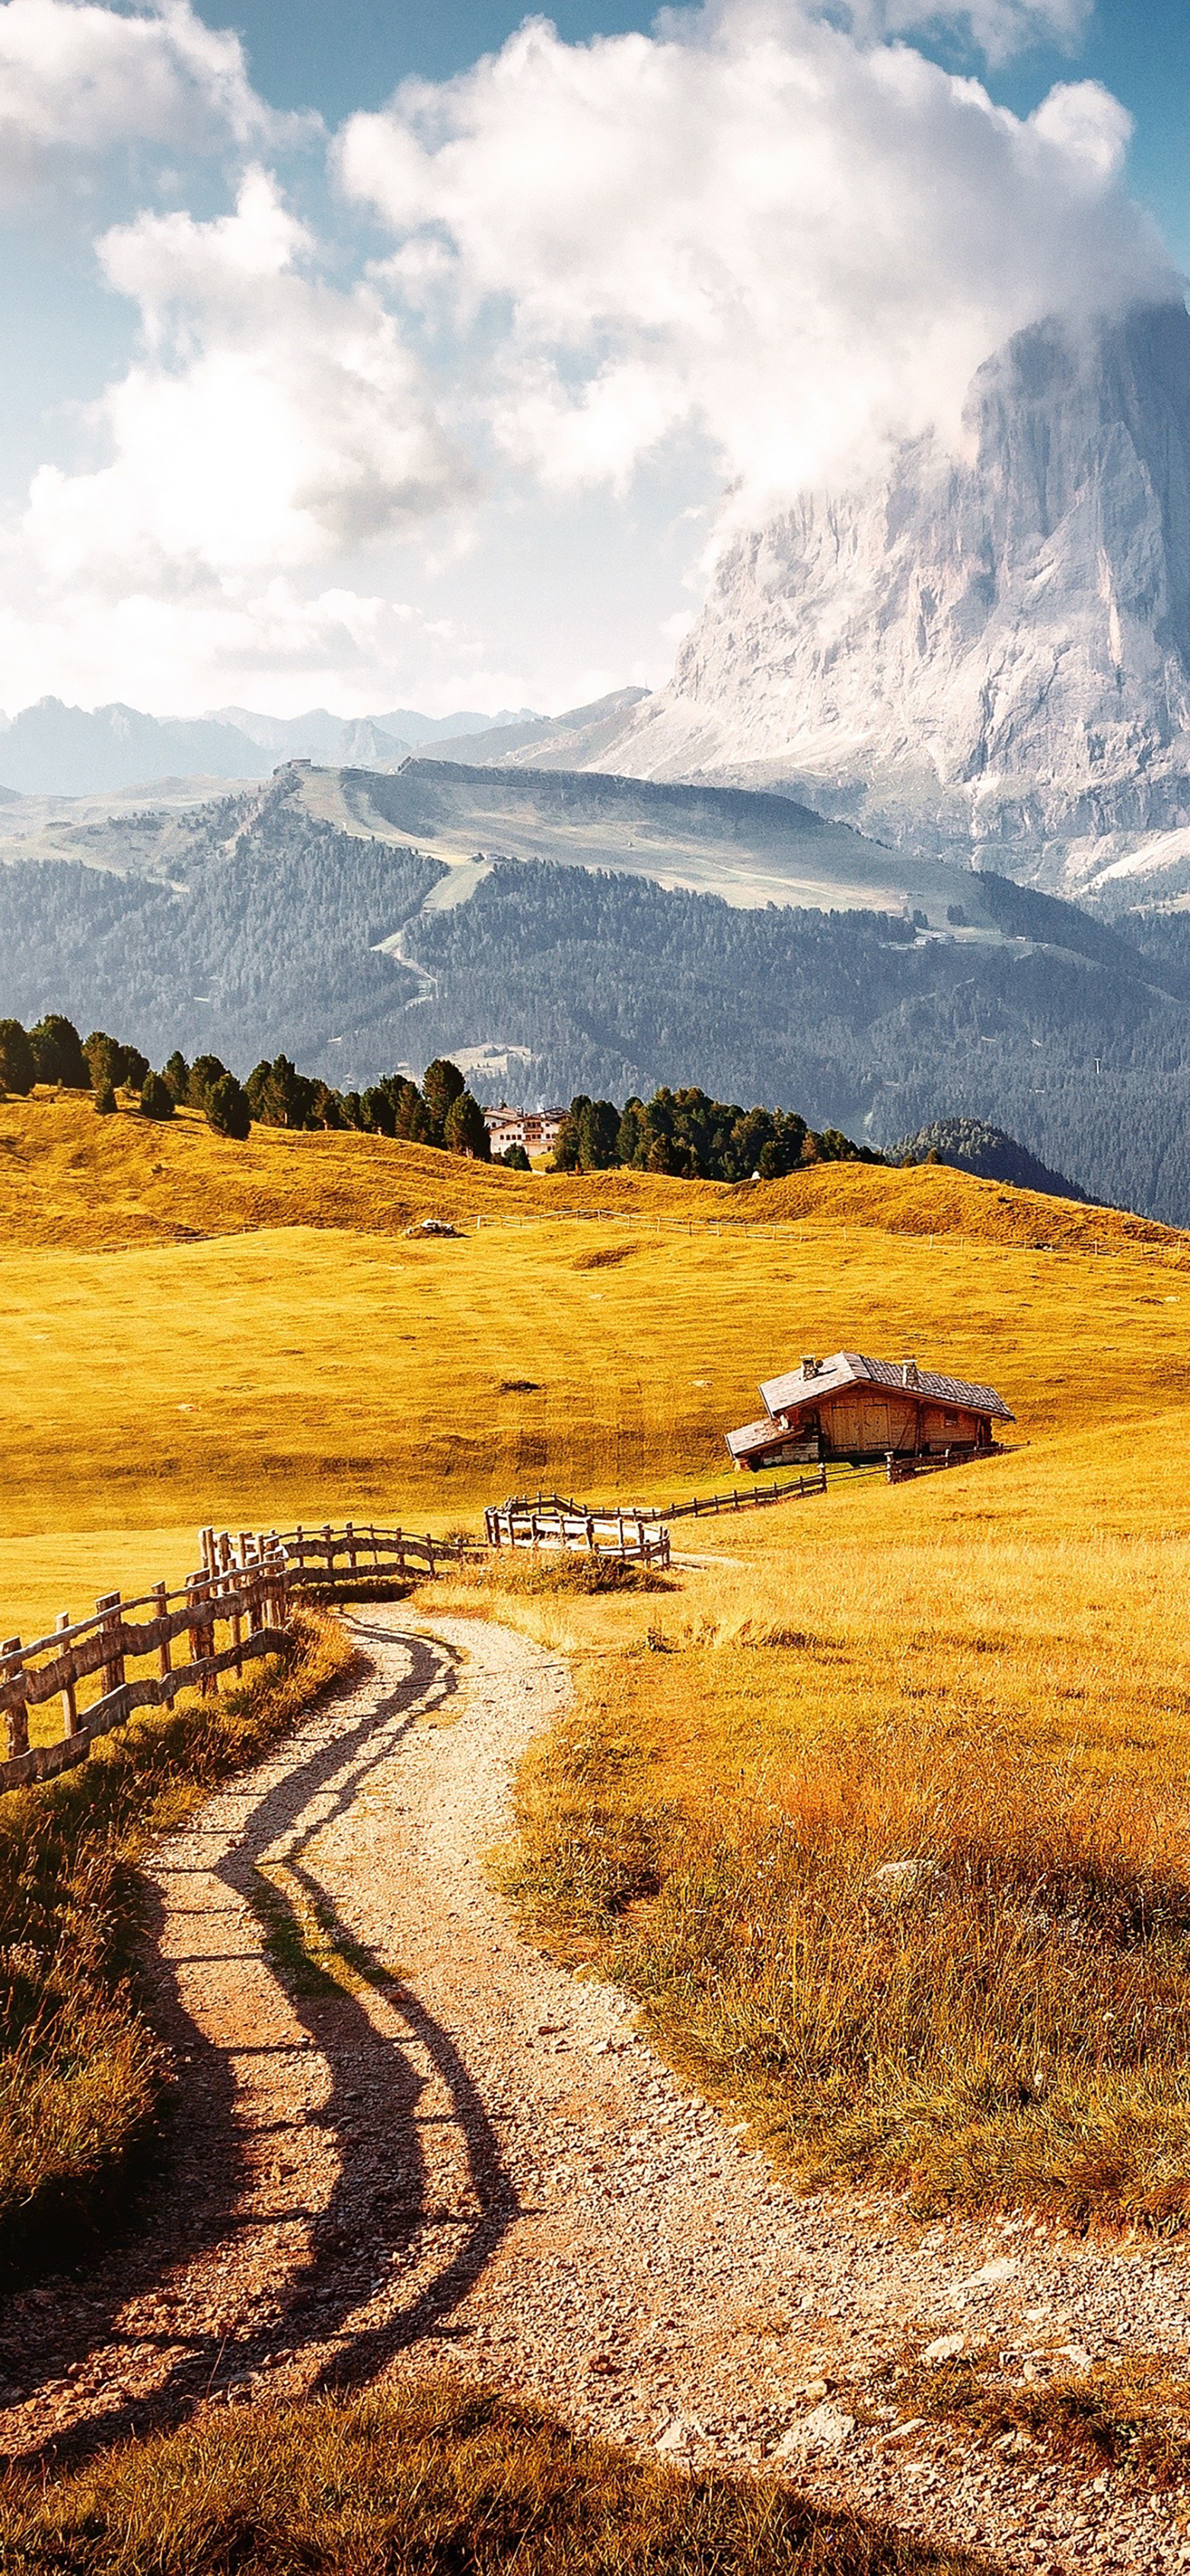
(857, 1410)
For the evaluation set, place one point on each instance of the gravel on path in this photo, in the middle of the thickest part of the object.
(406, 2141)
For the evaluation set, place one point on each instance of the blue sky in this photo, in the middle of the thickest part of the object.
(315, 393)
(306, 54)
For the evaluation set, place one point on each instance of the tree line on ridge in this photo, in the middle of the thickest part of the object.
(684, 1133)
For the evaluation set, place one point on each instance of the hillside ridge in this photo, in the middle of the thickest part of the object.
(71, 1180)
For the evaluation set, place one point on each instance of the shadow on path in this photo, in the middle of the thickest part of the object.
(380, 2200)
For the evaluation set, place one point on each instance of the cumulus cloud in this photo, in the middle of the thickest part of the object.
(786, 233)
(274, 421)
(76, 80)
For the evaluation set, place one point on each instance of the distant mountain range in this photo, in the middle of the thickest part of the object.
(575, 927)
(55, 750)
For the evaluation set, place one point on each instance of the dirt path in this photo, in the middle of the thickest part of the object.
(406, 2141)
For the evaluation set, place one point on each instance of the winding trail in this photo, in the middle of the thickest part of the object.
(405, 2141)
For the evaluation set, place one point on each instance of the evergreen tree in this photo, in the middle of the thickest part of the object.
(466, 1129)
(58, 1053)
(280, 1096)
(414, 1123)
(136, 1067)
(205, 1072)
(632, 1141)
(106, 1103)
(598, 1136)
(515, 1159)
(380, 1117)
(328, 1108)
(568, 1147)
(442, 1084)
(228, 1111)
(177, 1074)
(18, 1064)
(106, 1059)
(156, 1098)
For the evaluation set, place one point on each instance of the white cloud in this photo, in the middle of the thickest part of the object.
(997, 28)
(786, 236)
(76, 80)
(275, 423)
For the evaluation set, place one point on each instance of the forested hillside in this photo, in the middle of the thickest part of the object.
(266, 929)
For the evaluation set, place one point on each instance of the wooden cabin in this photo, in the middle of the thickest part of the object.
(857, 1410)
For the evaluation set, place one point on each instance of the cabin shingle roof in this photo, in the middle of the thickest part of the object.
(789, 1394)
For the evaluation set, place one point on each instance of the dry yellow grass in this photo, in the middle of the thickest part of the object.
(441, 2481)
(982, 1673)
(68, 1178)
(80, 2070)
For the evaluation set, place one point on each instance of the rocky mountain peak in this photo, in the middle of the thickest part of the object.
(991, 644)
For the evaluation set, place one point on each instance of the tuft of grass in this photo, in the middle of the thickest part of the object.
(1132, 2416)
(510, 1572)
(438, 2481)
(81, 2072)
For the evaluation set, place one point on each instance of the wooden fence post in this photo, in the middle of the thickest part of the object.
(108, 1604)
(12, 1671)
(69, 1694)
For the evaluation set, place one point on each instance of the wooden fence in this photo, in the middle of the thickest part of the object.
(245, 1587)
(740, 1499)
(626, 1535)
(901, 1470)
(359, 1551)
(245, 1592)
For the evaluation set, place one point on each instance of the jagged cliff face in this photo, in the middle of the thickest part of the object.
(993, 644)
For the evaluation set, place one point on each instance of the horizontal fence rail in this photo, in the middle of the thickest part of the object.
(706, 1506)
(627, 1536)
(901, 1469)
(358, 1550)
(246, 1593)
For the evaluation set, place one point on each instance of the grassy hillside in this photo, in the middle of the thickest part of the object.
(69, 1179)
(983, 1674)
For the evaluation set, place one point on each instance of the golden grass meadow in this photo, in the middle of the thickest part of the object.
(980, 1676)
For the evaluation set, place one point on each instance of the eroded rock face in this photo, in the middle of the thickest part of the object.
(994, 644)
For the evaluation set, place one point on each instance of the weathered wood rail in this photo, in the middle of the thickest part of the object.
(740, 1499)
(627, 1536)
(901, 1470)
(359, 1551)
(245, 1592)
